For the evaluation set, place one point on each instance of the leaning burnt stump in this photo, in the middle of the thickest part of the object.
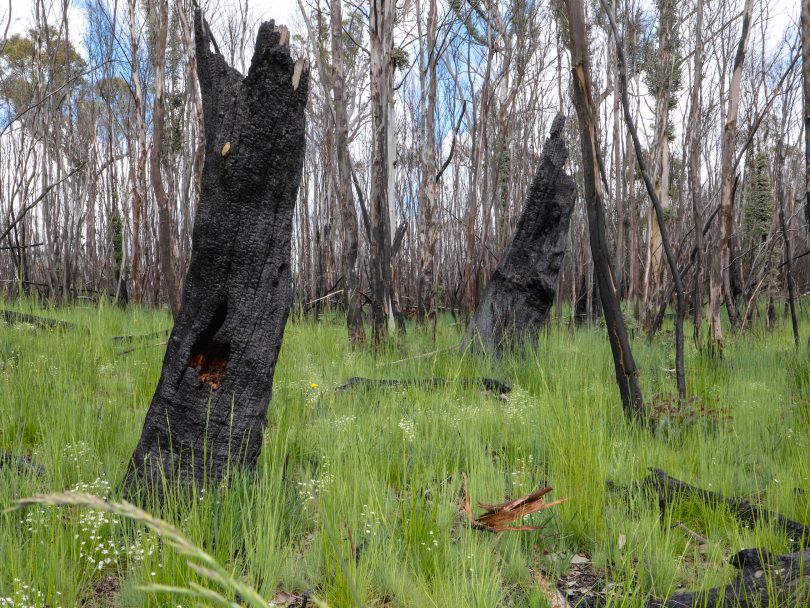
(209, 409)
(521, 291)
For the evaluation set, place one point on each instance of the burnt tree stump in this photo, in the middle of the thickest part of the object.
(521, 291)
(209, 409)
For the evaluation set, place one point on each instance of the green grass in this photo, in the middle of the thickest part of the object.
(357, 492)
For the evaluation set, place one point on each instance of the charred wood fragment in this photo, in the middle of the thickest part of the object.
(778, 582)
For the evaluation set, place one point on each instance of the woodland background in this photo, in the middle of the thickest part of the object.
(101, 149)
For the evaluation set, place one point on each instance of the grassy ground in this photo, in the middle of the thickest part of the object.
(357, 493)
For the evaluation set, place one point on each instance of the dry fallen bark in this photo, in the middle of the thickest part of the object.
(497, 516)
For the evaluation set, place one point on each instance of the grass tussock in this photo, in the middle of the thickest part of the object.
(357, 497)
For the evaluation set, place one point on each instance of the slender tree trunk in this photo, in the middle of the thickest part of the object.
(209, 409)
(381, 27)
(617, 176)
(428, 199)
(625, 365)
(721, 254)
(168, 275)
(783, 224)
(659, 212)
(694, 171)
(805, 35)
(354, 316)
(138, 157)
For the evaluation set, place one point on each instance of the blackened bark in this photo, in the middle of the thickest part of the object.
(764, 580)
(210, 405)
(521, 291)
(780, 582)
(670, 489)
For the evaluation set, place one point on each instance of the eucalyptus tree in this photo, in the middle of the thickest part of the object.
(720, 259)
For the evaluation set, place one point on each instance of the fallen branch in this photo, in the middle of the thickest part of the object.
(698, 537)
(132, 349)
(154, 334)
(670, 489)
(419, 356)
(12, 316)
(496, 386)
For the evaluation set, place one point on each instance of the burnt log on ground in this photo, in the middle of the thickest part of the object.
(763, 582)
(496, 386)
(209, 410)
(670, 489)
(22, 464)
(13, 317)
(521, 291)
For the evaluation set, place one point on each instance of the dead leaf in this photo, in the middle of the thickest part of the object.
(497, 516)
(622, 541)
(580, 559)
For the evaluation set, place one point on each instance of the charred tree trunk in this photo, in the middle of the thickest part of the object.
(624, 364)
(521, 291)
(209, 408)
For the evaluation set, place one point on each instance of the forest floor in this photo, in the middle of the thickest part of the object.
(358, 492)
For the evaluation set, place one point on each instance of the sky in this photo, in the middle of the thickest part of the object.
(284, 12)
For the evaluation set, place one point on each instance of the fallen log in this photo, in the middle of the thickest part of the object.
(495, 386)
(670, 489)
(762, 582)
(129, 338)
(23, 464)
(13, 317)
